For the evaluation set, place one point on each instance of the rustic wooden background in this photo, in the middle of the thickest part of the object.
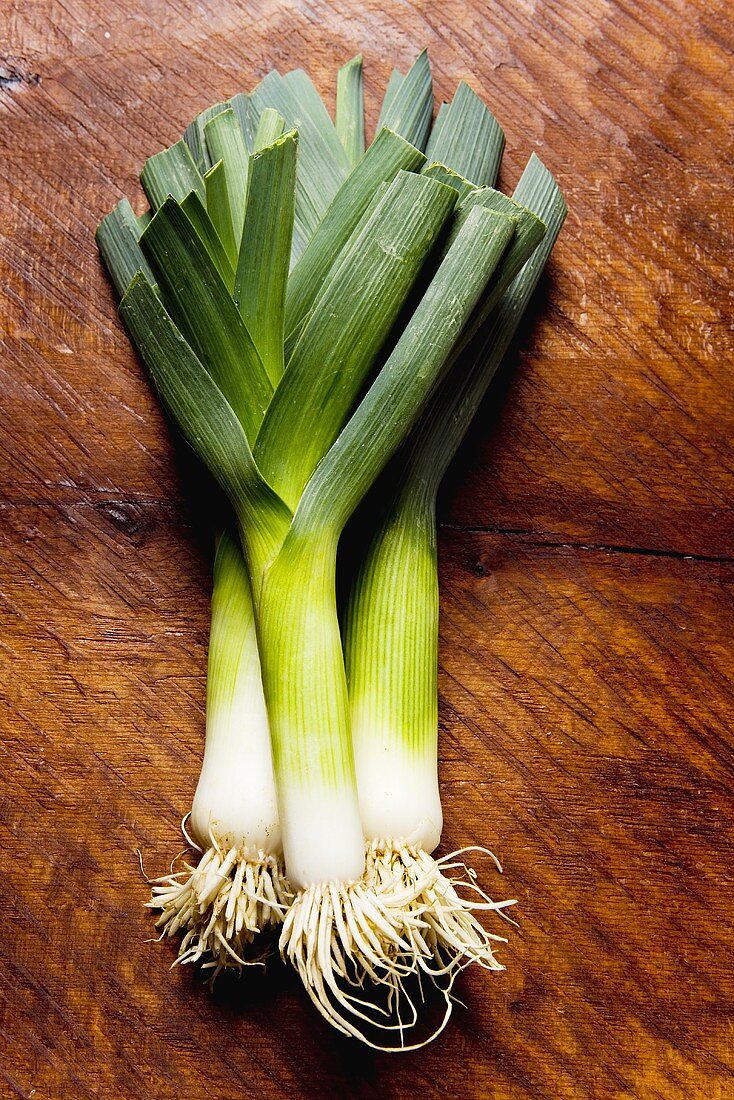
(587, 559)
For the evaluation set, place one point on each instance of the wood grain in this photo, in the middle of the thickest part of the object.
(587, 565)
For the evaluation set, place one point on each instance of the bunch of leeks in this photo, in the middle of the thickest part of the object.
(321, 321)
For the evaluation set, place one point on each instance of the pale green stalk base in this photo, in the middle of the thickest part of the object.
(220, 906)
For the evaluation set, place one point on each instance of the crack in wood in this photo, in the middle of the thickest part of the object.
(13, 71)
(539, 540)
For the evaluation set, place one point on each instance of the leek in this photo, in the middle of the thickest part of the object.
(391, 639)
(310, 322)
(238, 886)
(292, 567)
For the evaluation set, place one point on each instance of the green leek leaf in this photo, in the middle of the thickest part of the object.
(204, 417)
(217, 205)
(117, 239)
(387, 155)
(448, 176)
(294, 336)
(456, 402)
(262, 271)
(529, 232)
(197, 214)
(311, 107)
(195, 139)
(436, 128)
(402, 388)
(410, 108)
(225, 143)
(242, 108)
(393, 84)
(171, 172)
(350, 109)
(269, 129)
(200, 304)
(468, 138)
(322, 163)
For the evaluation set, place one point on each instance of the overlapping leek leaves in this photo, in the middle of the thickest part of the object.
(322, 319)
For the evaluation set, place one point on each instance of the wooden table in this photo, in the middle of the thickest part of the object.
(587, 560)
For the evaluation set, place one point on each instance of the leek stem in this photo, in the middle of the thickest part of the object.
(238, 888)
(391, 623)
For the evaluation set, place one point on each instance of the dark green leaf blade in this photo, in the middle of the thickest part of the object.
(295, 334)
(197, 214)
(200, 304)
(117, 239)
(194, 137)
(322, 168)
(203, 415)
(269, 128)
(468, 138)
(311, 106)
(449, 177)
(218, 208)
(455, 405)
(171, 172)
(262, 271)
(226, 144)
(242, 108)
(436, 129)
(393, 84)
(388, 154)
(403, 387)
(410, 108)
(529, 232)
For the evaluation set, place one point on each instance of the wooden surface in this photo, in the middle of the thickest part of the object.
(587, 565)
